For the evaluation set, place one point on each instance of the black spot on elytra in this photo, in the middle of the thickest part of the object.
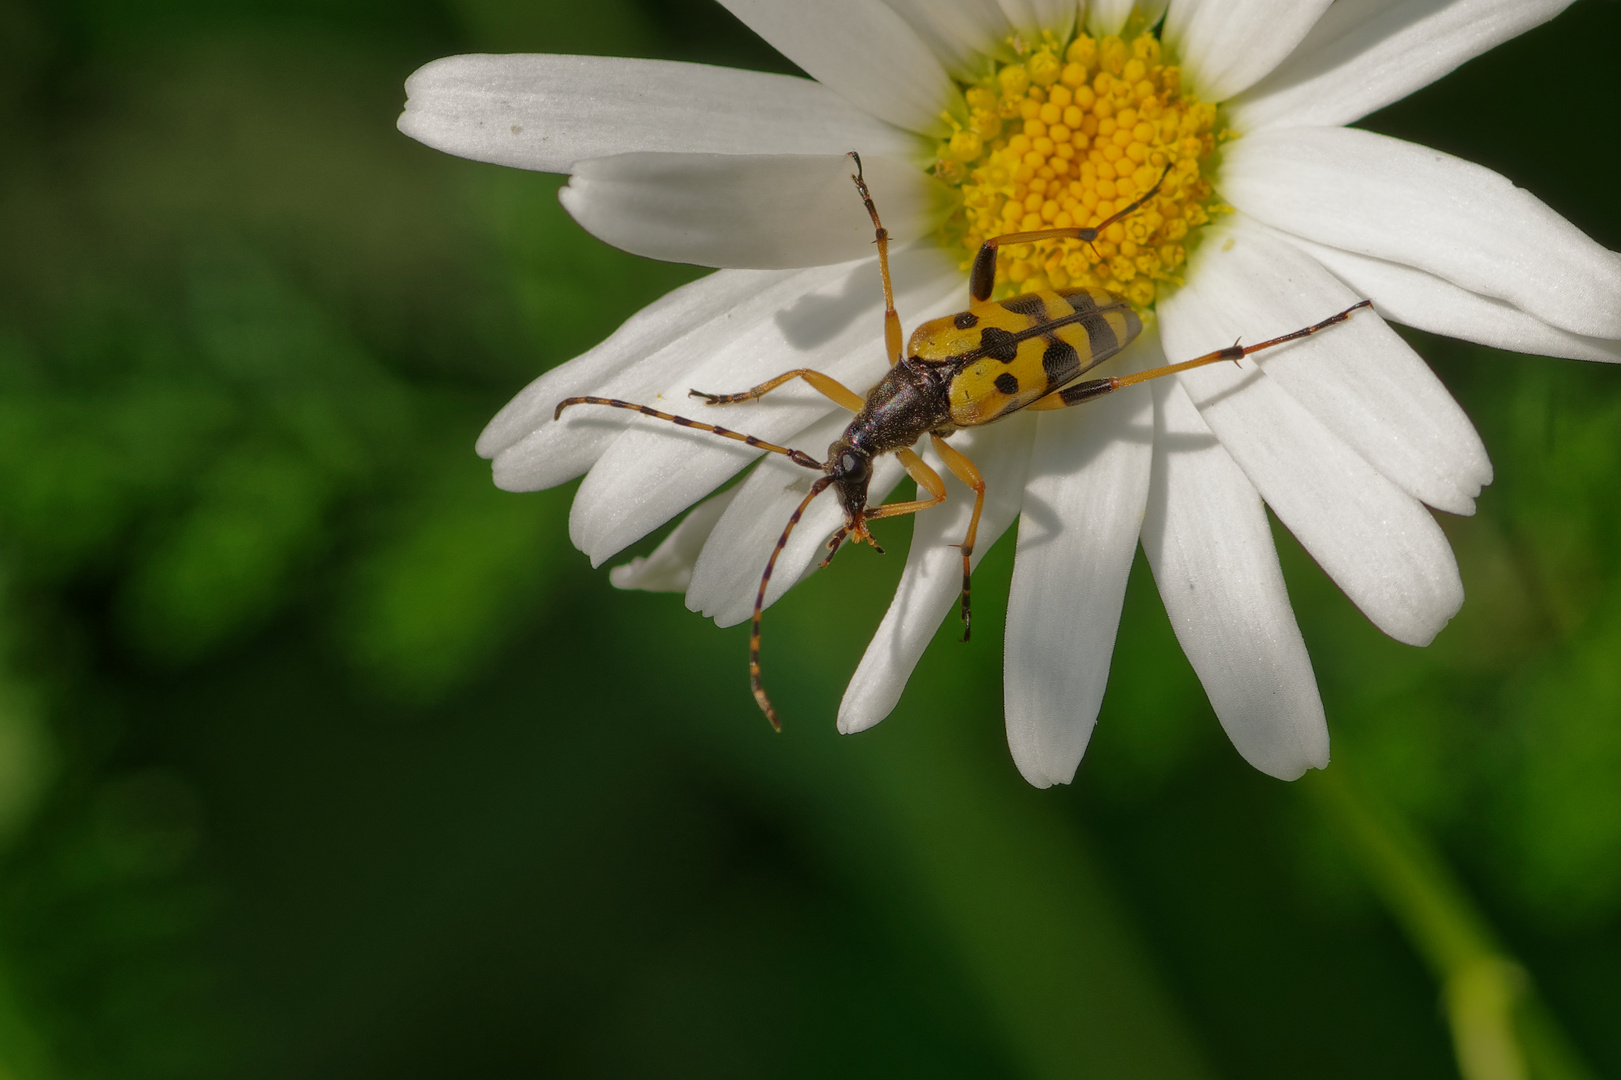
(1007, 383)
(1079, 300)
(965, 320)
(1031, 307)
(1103, 339)
(1061, 362)
(998, 344)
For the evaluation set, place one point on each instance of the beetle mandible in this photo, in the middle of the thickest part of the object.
(1027, 352)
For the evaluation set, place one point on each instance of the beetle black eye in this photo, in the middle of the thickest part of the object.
(852, 464)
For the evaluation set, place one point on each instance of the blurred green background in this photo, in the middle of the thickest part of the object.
(321, 757)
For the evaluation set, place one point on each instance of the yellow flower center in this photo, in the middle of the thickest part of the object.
(1066, 136)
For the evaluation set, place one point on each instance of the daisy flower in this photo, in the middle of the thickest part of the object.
(981, 117)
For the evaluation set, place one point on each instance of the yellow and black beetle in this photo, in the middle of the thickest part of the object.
(964, 370)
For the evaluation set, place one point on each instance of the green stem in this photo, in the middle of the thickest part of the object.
(1500, 1031)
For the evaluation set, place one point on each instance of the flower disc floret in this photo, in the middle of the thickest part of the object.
(1067, 135)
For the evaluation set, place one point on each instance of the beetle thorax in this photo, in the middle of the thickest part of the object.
(908, 403)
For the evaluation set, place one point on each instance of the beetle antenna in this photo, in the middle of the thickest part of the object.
(759, 603)
(798, 457)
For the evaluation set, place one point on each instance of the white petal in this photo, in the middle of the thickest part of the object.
(727, 574)
(669, 567)
(1427, 302)
(960, 32)
(932, 580)
(754, 211)
(1359, 378)
(655, 469)
(1229, 45)
(548, 112)
(1378, 543)
(861, 49)
(665, 342)
(1208, 541)
(1031, 17)
(1083, 509)
(1364, 54)
(1111, 16)
(667, 319)
(1405, 203)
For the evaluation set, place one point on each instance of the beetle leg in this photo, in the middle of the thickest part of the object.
(856, 528)
(982, 278)
(926, 478)
(892, 321)
(964, 470)
(830, 388)
(1075, 393)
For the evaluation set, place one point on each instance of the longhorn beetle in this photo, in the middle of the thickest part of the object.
(964, 370)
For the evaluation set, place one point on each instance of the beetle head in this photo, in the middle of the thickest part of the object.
(851, 470)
